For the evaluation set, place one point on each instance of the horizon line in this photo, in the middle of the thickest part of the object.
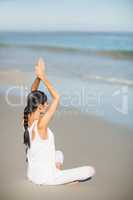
(83, 31)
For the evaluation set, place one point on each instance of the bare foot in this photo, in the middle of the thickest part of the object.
(58, 165)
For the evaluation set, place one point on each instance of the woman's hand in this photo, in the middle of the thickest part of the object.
(40, 69)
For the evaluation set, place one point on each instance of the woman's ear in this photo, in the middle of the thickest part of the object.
(40, 107)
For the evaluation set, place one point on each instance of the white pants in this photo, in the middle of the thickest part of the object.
(69, 175)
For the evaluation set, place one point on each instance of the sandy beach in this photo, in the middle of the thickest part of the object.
(85, 140)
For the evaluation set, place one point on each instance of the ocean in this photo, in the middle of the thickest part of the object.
(93, 71)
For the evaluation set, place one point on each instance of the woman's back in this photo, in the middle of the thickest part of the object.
(41, 162)
(41, 156)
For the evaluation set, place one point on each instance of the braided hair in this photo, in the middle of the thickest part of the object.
(34, 98)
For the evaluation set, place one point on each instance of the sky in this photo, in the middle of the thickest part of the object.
(66, 15)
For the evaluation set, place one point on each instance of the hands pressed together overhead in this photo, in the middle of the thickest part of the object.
(40, 69)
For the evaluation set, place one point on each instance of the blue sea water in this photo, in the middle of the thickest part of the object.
(95, 66)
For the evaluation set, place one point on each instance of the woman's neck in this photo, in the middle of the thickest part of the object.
(32, 117)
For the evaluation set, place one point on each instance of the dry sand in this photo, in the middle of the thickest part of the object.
(85, 140)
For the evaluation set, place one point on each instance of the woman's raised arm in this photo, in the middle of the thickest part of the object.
(35, 84)
(37, 80)
(40, 72)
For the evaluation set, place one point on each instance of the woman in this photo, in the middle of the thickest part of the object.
(44, 163)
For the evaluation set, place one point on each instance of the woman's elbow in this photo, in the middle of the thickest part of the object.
(58, 98)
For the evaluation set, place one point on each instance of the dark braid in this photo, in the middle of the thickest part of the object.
(33, 100)
(26, 132)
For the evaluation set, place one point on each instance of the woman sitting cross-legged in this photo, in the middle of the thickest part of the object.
(44, 162)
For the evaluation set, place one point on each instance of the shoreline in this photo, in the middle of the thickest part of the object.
(24, 75)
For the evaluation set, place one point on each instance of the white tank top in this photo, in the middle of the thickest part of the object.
(41, 157)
